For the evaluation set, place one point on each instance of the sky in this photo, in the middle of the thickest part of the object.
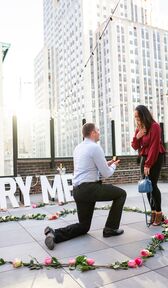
(160, 11)
(21, 25)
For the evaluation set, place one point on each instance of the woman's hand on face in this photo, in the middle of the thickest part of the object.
(141, 133)
(146, 171)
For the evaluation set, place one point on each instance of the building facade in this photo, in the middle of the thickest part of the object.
(133, 71)
(127, 67)
(42, 86)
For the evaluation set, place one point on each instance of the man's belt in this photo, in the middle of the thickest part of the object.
(86, 183)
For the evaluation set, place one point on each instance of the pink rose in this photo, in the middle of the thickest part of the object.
(132, 264)
(56, 214)
(138, 261)
(34, 205)
(52, 217)
(159, 236)
(145, 253)
(90, 261)
(166, 221)
(72, 261)
(48, 261)
(17, 263)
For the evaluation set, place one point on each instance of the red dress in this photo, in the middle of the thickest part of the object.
(149, 145)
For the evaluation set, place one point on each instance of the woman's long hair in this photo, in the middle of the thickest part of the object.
(145, 116)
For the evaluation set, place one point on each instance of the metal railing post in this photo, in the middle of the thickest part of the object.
(113, 138)
(15, 144)
(52, 143)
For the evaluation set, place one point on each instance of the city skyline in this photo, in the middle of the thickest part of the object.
(127, 67)
(56, 83)
(17, 29)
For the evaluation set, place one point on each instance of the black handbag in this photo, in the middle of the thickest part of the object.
(145, 186)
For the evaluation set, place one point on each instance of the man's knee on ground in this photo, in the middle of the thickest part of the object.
(85, 228)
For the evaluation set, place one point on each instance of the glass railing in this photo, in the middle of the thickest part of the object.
(34, 134)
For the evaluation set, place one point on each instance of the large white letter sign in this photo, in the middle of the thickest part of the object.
(25, 188)
(67, 186)
(46, 188)
(10, 193)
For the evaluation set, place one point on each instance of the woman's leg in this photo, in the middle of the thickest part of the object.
(149, 195)
(154, 176)
(154, 198)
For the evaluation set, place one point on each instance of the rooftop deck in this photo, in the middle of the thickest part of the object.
(25, 238)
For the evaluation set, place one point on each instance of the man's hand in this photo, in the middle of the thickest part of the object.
(146, 171)
(117, 162)
(141, 133)
(109, 163)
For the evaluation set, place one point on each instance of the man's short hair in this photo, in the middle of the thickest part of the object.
(87, 129)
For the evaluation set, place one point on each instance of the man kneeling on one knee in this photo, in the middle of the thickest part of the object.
(89, 162)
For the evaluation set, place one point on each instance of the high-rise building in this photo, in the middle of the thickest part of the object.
(107, 82)
(132, 69)
(42, 81)
(3, 51)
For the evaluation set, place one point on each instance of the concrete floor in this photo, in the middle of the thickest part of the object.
(25, 238)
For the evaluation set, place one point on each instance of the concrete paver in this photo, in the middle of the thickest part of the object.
(24, 239)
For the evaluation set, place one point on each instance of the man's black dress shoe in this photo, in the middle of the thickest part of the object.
(108, 232)
(48, 230)
(49, 241)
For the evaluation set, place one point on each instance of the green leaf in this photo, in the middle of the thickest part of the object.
(31, 262)
(72, 267)
(34, 267)
(120, 265)
(87, 268)
(55, 261)
(161, 248)
(116, 266)
(84, 267)
(81, 260)
(26, 264)
(2, 261)
(79, 267)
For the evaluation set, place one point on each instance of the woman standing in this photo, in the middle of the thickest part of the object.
(147, 140)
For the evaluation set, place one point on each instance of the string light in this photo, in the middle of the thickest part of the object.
(109, 19)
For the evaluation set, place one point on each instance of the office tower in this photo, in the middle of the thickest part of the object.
(41, 139)
(133, 71)
(126, 68)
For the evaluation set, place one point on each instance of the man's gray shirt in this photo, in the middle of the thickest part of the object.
(89, 162)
